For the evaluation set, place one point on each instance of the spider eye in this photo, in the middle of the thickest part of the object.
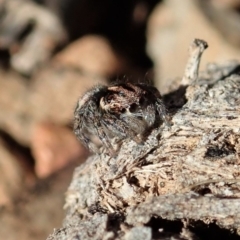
(123, 110)
(133, 107)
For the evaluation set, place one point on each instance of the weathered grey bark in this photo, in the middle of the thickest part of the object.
(188, 173)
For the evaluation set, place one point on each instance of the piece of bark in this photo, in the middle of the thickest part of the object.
(190, 206)
(188, 173)
(47, 33)
(94, 230)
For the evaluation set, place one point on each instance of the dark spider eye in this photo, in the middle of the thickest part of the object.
(123, 110)
(133, 107)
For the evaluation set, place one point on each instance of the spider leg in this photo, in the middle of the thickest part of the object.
(81, 130)
(81, 133)
(121, 127)
(161, 109)
(87, 142)
(135, 123)
(100, 132)
(160, 106)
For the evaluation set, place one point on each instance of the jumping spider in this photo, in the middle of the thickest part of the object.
(122, 110)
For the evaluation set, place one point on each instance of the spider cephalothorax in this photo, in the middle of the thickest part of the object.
(122, 110)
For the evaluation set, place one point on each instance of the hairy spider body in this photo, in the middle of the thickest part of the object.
(122, 110)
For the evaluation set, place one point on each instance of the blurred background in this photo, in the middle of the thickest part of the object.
(51, 52)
